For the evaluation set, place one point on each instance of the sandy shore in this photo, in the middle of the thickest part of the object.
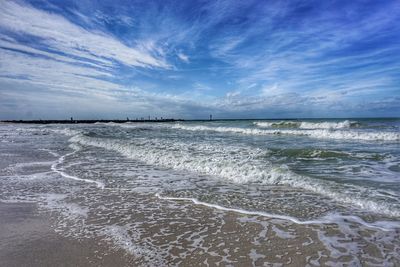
(28, 239)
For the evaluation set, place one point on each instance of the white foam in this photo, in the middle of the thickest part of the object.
(16, 201)
(55, 154)
(282, 234)
(327, 219)
(307, 125)
(67, 131)
(54, 167)
(22, 165)
(57, 202)
(316, 133)
(119, 235)
(237, 164)
(133, 125)
(277, 124)
(327, 125)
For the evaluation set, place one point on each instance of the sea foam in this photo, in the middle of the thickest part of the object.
(309, 125)
(55, 167)
(236, 164)
(329, 218)
(316, 133)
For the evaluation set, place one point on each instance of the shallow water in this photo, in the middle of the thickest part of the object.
(233, 192)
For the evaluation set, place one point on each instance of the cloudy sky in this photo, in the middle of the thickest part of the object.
(188, 59)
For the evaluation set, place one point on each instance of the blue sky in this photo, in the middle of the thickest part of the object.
(188, 59)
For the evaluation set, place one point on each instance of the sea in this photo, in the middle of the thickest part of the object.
(312, 192)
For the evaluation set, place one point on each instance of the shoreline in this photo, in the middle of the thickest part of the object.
(29, 239)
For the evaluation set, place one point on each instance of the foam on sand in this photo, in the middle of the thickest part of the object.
(327, 219)
(55, 168)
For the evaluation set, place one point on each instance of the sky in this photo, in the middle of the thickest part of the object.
(188, 59)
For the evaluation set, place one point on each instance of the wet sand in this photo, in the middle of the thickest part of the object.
(28, 239)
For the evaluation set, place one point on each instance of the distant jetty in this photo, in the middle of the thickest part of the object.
(87, 121)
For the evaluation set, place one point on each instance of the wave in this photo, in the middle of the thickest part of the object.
(309, 125)
(66, 131)
(279, 124)
(311, 153)
(316, 133)
(134, 125)
(329, 125)
(236, 164)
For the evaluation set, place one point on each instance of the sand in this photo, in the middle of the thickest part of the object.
(28, 239)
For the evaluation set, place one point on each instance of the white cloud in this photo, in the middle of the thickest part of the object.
(272, 90)
(61, 35)
(232, 94)
(11, 44)
(183, 57)
(52, 73)
(201, 87)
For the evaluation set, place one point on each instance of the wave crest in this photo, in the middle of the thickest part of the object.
(236, 164)
(315, 133)
(309, 125)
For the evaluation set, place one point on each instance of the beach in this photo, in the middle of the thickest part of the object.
(230, 193)
(28, 239)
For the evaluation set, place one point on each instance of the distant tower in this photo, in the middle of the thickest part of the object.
(72, 119)
(210, 117)
(127, 118)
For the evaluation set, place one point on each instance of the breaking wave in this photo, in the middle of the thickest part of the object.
(236, 164)
(309, 125)
(315, 133)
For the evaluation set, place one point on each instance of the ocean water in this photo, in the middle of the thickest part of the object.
(217, 191)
